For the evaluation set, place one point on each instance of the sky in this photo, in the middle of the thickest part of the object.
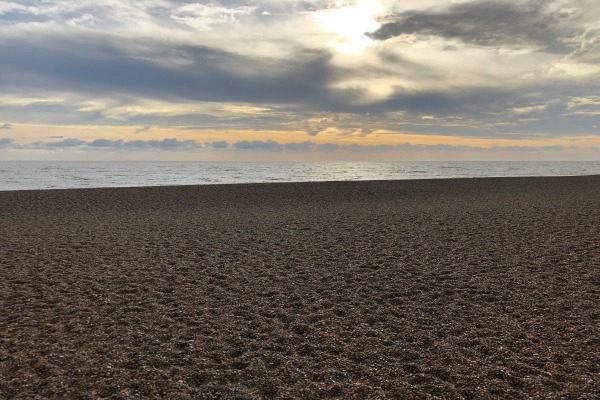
(285, 80)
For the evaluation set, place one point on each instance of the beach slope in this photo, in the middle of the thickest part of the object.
(461, 288)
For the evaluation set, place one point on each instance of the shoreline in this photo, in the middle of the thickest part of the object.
(309, 182)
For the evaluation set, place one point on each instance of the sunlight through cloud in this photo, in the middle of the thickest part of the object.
(350, 23)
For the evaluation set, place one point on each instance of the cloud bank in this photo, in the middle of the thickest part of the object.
(171, 144)
(517, 69)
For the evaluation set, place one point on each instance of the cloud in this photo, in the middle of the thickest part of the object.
(328, 147)
(65, 143)
(208, 74)
(302, 146)
(220, 144)
(271, 146)
(165, 144)
(271, 65)
(202, 17)
(172, 144)
(106, 144)
(143, 129)
(491, 24)
(528, 148)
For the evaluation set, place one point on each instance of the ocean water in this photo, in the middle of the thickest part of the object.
(26, 175)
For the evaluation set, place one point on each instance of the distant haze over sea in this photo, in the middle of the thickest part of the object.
(27, 175)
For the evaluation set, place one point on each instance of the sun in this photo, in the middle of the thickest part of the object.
(349, 23)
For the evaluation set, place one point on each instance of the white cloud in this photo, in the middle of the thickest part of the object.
(568, 70)
(203, 17)
(529, 110)
(7, 6)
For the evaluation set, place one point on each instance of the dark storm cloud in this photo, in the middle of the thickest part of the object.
(487, 23)
(93, 64)
(457, 101)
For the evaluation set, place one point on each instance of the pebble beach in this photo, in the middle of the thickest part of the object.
(425, 289)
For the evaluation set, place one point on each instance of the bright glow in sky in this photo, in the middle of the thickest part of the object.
(351, 23)
(317, 79)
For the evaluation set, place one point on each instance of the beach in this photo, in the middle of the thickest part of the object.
(423, 289)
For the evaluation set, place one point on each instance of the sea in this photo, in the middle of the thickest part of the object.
(30, 175)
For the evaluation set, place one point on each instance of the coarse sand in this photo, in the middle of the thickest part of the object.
(449, 289)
